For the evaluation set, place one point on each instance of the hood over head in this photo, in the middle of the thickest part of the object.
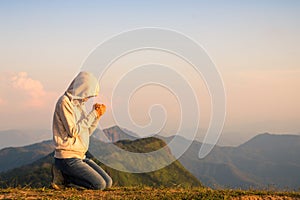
(84, 85)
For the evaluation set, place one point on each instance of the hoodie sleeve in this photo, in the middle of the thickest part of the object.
(94, 125)
(68, 119)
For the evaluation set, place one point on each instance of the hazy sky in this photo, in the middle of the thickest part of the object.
(255, 45)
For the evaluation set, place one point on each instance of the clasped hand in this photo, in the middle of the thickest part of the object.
(100, 108)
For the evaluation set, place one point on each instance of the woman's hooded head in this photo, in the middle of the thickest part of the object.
(84, 85)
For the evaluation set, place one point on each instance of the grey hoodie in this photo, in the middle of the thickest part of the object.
(72, 125)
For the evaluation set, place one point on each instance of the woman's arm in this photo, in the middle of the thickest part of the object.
(72, 127)
(101, 109)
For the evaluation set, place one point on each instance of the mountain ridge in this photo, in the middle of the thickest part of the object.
(266, 160)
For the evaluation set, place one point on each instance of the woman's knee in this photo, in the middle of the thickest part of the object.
(102, 184)
(109, 182)
(99, 185)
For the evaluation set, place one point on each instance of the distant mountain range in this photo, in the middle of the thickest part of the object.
(265, 161)
(17, 138)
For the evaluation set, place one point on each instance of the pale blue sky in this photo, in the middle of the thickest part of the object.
(250, 41)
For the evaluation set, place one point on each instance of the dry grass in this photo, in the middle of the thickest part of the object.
(144, 193)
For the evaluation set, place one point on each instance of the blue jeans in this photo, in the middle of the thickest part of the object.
(85, 173)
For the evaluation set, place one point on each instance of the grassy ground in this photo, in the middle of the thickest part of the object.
(143, 193)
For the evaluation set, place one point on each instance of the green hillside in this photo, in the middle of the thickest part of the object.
(38, 173)
(172, 175)
(13, 157)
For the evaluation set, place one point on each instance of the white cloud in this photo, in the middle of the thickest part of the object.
(33, 89)
(24, 101)
(20, 91)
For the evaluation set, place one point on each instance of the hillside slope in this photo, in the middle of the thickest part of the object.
(12, 157)
(38, 173)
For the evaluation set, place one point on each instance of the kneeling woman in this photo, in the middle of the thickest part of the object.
(72, 127)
